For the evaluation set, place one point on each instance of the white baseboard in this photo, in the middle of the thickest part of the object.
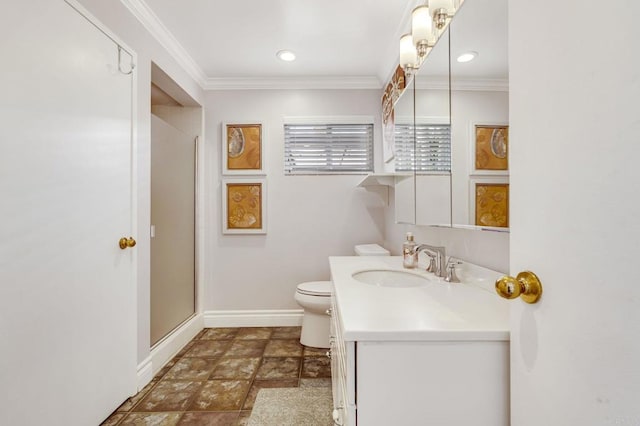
(145, 373)
(167, 348)
(264, 318)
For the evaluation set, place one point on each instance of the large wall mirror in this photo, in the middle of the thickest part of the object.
(480, 115)
(465, 183)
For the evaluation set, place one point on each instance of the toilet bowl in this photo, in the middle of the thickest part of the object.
(315, 299)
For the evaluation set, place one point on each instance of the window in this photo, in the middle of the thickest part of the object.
(328, 148)
(432, 151)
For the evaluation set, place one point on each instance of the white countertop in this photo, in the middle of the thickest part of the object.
(439, 311)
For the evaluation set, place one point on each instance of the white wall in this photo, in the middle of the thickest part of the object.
(309, 217)
(186, 119)
(115, 16)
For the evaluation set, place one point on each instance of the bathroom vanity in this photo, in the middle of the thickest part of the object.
(415, 350)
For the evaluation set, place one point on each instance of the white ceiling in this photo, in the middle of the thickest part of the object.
(338, 43)
(237, 40)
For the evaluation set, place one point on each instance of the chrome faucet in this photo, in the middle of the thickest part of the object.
(440, 258)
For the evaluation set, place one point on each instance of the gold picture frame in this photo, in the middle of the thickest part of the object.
(244, 204)
(490, 149)
(490, 203)
(242, 145)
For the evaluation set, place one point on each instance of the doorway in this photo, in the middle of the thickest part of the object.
(176, 122)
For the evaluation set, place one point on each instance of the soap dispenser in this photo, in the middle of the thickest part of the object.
(409, 255)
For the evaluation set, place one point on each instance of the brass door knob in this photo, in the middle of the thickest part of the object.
(526, 285)
(126, 242)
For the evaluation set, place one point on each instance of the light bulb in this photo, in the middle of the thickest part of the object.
(422, 29)
(408, 53)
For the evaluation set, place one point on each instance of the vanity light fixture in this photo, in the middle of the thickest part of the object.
(467, 56)
(422, 30)
(441, 10)
(427, 23)
(409, 60)
(286, 55)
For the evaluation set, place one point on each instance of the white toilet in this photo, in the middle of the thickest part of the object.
(315, 298)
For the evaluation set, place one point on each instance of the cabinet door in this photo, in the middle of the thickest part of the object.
(343, 373)
(67, 291)
(448, 383)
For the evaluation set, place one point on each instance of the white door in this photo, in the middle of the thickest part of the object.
(575, 205)
(67, 291)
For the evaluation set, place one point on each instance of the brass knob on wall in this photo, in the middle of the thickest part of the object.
(526, 285)
(126, 242)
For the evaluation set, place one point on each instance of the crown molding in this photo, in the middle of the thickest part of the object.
(152, 23)
(481, 85)
(318, 82)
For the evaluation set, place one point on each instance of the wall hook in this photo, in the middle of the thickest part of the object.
(132, 66)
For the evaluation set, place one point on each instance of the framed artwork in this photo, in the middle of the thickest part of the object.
(490, 149)
(244, 203)
(489, 201)
(242, 149)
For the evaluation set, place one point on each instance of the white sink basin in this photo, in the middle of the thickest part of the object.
(390, 278)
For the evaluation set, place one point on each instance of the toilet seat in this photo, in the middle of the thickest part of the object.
(315, 288)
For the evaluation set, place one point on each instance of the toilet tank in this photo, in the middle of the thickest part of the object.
(371, 250)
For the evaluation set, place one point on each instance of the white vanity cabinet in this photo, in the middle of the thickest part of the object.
(408, 359)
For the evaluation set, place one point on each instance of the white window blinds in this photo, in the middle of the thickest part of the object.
(328, 148)
(432, 151)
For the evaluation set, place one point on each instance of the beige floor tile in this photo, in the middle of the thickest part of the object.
(191, 369)
(169, 395)
(286, 333)
(208, 348)
(235, 368)
(246, 348)
(221, 395)
(155, 419)
(283, 348)
(279, 368)
(252, 333)
(209, 419)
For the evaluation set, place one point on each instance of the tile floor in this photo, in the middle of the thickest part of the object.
(215, 378)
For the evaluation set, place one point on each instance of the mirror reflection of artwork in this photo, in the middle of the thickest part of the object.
(244, 207)
(492, 204)
(492, 148)
(391, 94)
(243, 147)
(388, 136)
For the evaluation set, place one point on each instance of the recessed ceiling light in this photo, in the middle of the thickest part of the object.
(468, 56)
(286, 55)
